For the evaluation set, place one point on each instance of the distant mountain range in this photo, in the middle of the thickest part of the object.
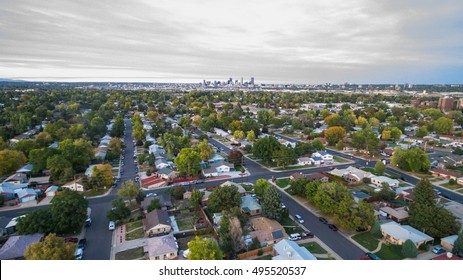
(10, 80)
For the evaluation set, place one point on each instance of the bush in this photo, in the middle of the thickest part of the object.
(452, 181)
(409, 249)
(424, 247)
(367, 180)
(260, 252)
(148, 172)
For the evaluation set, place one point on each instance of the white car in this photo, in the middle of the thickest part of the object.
(79, 253)
(112, 225)
(152, 195)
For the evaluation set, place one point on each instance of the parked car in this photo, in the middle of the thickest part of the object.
(307, 234)
(372, 256)
(438, 250)
(82, 244)
(152, 195)
(299, 218)
(112, 225)
(283, 206)
(200, 181)
(79, 254)
(71, 240)
(294, 236)
(323, 220)
(88, 222)
(333, 227)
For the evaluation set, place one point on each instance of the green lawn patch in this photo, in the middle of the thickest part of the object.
(184, 224)
(292, 167)
(390, 252)
(131, 254)
(267, 257)
(247, 187)
(136, 234)
(460, 191)
(290, 226)
(366, 240)
(340, 159)
(314, 248)
(283, 183)
(452, 187)
(371, 170)
(133, 225)
(94, 192)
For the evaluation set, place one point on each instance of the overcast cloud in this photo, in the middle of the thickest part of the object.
(301, 41)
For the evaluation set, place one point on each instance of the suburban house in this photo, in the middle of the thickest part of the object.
(289, 250)
(17, 178)
(152, 182)
(448, 242)
(305, 161)
(379, 180)
(157, 222)
(287, 143)
(326, 157)
(359, 196)
(89, 170)
(38, 181)
(167, 173)
(157, 151)
(25, 169)
(217, 169)
(456, 209)
(267, 231)
(446, 174)
(161, 247)
(396, 233)
(317, 176)
(15, 246)
(221, 132)
(75, 185)
(9, 190)
(453, 160)
(161, 163)
(25, 195)
(51, 190)
(216, 158)
(396, 214)
(250, 206)
(350, 174)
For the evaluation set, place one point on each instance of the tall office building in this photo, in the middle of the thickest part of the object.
(445, 103)
(252, 80)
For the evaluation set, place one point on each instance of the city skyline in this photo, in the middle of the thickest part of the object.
(275, 41)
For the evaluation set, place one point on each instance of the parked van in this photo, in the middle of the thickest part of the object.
(295, 236)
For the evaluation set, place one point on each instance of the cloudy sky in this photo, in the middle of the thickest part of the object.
(282, 41)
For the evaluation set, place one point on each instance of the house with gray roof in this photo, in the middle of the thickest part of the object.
(15, 246)
(396, 233)
(250, 206)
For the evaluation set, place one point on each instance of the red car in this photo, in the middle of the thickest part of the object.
(71, 240)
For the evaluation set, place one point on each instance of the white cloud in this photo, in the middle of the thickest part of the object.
(293, 41)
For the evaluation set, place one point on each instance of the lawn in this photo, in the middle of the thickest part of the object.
(366, 240)
(339, 159)
(282, 183)
(267, 257)
(94, 192)
(130, 254)
(136, 234)
(314, 248)
(293, 167)
(184, 224)
(248, 187)
(133, 225)
(371, 170)
(452, 187)
(290, 226)
(460, 191)
(390, 252)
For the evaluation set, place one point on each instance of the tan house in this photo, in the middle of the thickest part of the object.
(398, 214)
(448, 242)
(446, 174)
(267, 231)
(161, 248)
(395, 233)
(157, 222)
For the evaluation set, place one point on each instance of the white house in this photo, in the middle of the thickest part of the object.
(217, 169)
(221, 132)
(324, 155)
(350, 174)
(379, 180)
(287, 143)
(305, 161)
(26, 195)
(290, 250)
(51, 190)
(161, 163)
(74, 186)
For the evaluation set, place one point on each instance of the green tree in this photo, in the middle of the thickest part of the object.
(119, 210)
(443, 125)
(380, 167)
(409, 249)
(374, 122)
(224, 234)
(25, 146)
(37, 221)
(365, 139)
(271, 204)
(204, 249)
(224, 198)
(284, 156)
(264, 148)
(188, 162)
(414, 159)
(78, 152)
(334, 134)
(115, 145)
(426, 216)
(128, 190)
(458, 244)
(60, 168)
(340, 145)
(260, 187)
(118, 127)
(69, 212)
(317, 144)
(155, 204)
(196, 197)
(298, 187)
(103, 174)
(376, 230)
(38, 158)
(51, 248)
(205, 150)
(10, 161)
(251, 136)
(238, 134)
(43, 139)
(421, 132)
(97, 128)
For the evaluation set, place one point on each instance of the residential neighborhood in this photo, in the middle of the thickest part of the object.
(256, 180)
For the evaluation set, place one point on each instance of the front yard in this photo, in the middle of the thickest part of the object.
(134, 230)
(339, 159)
(131, 254)
(390, 252)
(283, 183)
(314, 248)
(366, 240)
(290, 226)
